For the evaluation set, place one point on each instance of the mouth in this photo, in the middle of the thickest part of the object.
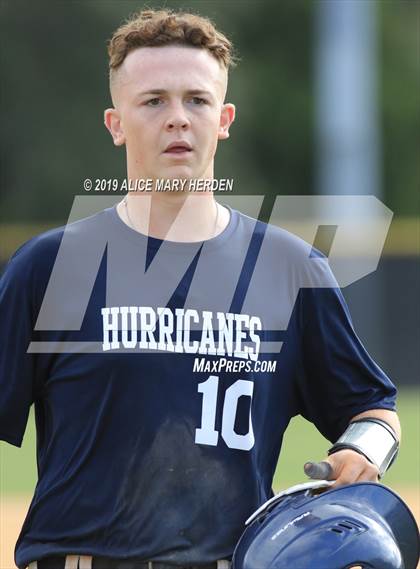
(180, 147)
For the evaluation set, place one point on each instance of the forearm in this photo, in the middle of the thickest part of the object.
(386, 415)
(349, 466)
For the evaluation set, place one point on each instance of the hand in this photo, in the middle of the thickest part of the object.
(348, 466)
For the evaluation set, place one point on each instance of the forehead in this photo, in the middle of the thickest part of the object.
(172, 67)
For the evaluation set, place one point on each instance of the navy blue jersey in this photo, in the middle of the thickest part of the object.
(161, 404)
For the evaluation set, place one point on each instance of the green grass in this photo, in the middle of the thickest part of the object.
(301, 443)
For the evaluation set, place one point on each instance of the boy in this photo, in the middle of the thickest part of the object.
(151, 455)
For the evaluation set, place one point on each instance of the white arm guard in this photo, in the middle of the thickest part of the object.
(373, 438)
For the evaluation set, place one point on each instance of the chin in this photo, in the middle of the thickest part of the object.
(179, 174)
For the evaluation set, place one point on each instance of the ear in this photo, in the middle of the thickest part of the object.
(112, 122)
(227, 116)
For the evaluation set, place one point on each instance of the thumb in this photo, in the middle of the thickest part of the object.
(319, 470)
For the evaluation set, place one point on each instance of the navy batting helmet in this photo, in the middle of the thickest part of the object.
(363, 525)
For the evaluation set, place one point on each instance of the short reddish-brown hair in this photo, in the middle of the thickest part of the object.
(153, 28)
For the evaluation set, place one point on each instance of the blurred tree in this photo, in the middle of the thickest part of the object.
(53, 67)
(399, 104)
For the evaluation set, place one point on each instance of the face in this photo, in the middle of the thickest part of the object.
(169, 111)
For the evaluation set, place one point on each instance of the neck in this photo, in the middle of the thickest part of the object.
(175, 216)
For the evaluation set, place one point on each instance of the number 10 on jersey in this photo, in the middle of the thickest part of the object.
(207, 434)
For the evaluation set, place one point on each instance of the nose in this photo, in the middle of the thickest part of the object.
(177, 118)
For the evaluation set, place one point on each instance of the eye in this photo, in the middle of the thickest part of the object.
(199, 101)
(155, 102)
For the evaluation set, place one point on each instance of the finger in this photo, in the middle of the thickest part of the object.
(369, 474)
(348, 475)
(318, 470)
(353, 472)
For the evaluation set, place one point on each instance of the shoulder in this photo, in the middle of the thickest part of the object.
(37, 255)
(274, 235)
(287, 252)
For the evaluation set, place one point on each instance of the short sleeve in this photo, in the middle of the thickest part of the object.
(338, 379)
(17, 367)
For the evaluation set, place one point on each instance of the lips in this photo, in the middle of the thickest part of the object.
(178, 147)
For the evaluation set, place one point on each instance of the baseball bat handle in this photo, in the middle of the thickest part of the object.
(318, 470)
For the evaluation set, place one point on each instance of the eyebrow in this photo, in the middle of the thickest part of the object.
(165, 92)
